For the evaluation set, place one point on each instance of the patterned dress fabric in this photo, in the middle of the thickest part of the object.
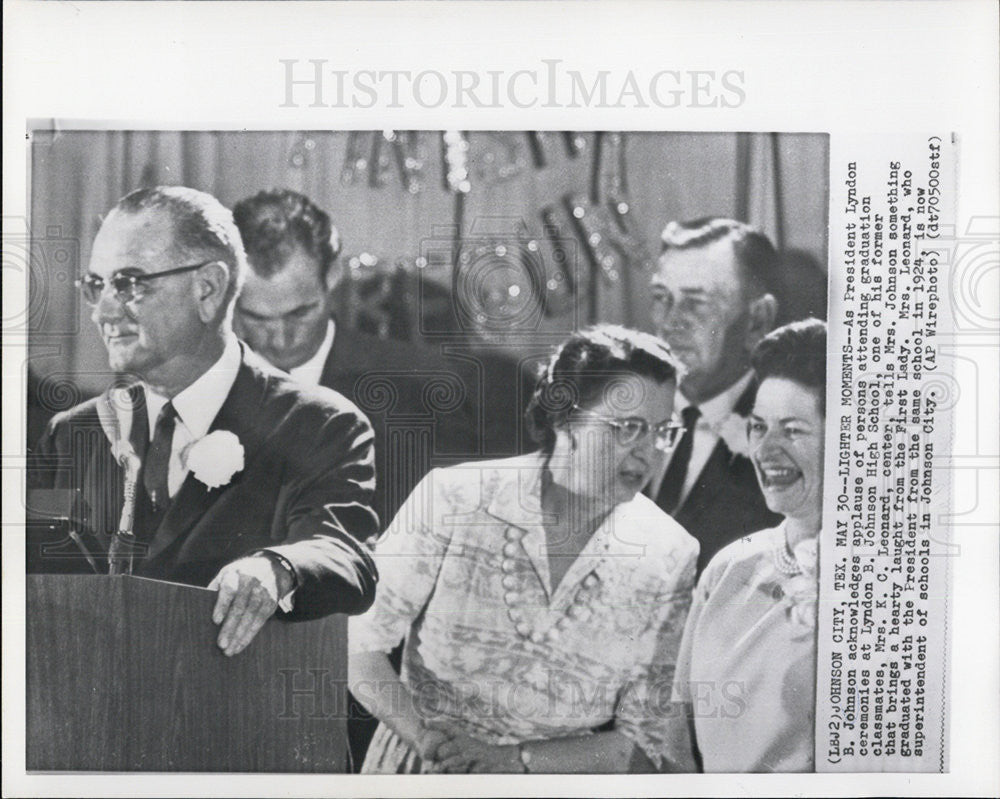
(748, 658)
(492, 647)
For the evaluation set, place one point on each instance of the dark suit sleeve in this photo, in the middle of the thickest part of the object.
(43, 459)
(327, 513)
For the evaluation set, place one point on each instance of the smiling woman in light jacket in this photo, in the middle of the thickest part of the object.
(747, 667)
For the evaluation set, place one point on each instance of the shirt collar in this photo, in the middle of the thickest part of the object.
(199, 404)
(311, 371)
(717, 409)
(518, 499)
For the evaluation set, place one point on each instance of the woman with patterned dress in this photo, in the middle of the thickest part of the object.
(541, 597)
(747, 666)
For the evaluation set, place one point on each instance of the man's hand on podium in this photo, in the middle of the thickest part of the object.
(249, 591)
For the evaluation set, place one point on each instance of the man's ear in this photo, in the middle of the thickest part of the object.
(763, 313)
(210, 290)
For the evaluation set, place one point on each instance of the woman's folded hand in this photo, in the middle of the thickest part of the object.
(461, 753)
(428, 744)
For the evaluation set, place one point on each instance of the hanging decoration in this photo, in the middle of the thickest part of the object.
(379, 161)
(455, 155)
(563, 253)
(614, 186)
(575, 143)
(373, 155)
(536, 145)
(540, 141)
(505, 280)
(409, 160)
(612, 178)
(602, 222)
(593, 223)
(356, 158)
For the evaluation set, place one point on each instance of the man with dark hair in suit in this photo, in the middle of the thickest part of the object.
(714, 298)
(292, 250)
(243, 481)
(423, 406)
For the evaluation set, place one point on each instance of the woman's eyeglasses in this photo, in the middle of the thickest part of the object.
(126, 287)
(630, 429)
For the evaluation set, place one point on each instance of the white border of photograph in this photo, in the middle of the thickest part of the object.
(838, 67)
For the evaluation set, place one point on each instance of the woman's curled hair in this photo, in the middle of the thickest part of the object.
(795, 352)
(589, 366)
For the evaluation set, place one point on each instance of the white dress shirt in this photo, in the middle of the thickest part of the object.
(714, 413)
(196, 406)
(309, 373)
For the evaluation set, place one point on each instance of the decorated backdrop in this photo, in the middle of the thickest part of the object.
(507, 238)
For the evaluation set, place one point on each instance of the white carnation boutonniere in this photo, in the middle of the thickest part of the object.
(215, 458)
(733, 431)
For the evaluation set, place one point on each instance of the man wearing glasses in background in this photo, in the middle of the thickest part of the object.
(249, 483)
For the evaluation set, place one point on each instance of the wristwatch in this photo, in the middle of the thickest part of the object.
(286, 602)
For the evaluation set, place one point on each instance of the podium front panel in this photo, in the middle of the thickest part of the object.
(123, 674)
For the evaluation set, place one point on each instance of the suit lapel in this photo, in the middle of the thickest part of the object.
(334, 370)
(713, 479)
(714, 476)
(240, 415)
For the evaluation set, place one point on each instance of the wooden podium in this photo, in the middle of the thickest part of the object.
(123, 674)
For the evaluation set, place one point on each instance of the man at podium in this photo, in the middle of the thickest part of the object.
(204, 465)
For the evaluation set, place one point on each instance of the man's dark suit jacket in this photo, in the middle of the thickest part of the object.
(427, 408)
(725, 503)
(304, 492)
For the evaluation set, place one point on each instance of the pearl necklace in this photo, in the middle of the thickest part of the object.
(784, 561)
(580, 609)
